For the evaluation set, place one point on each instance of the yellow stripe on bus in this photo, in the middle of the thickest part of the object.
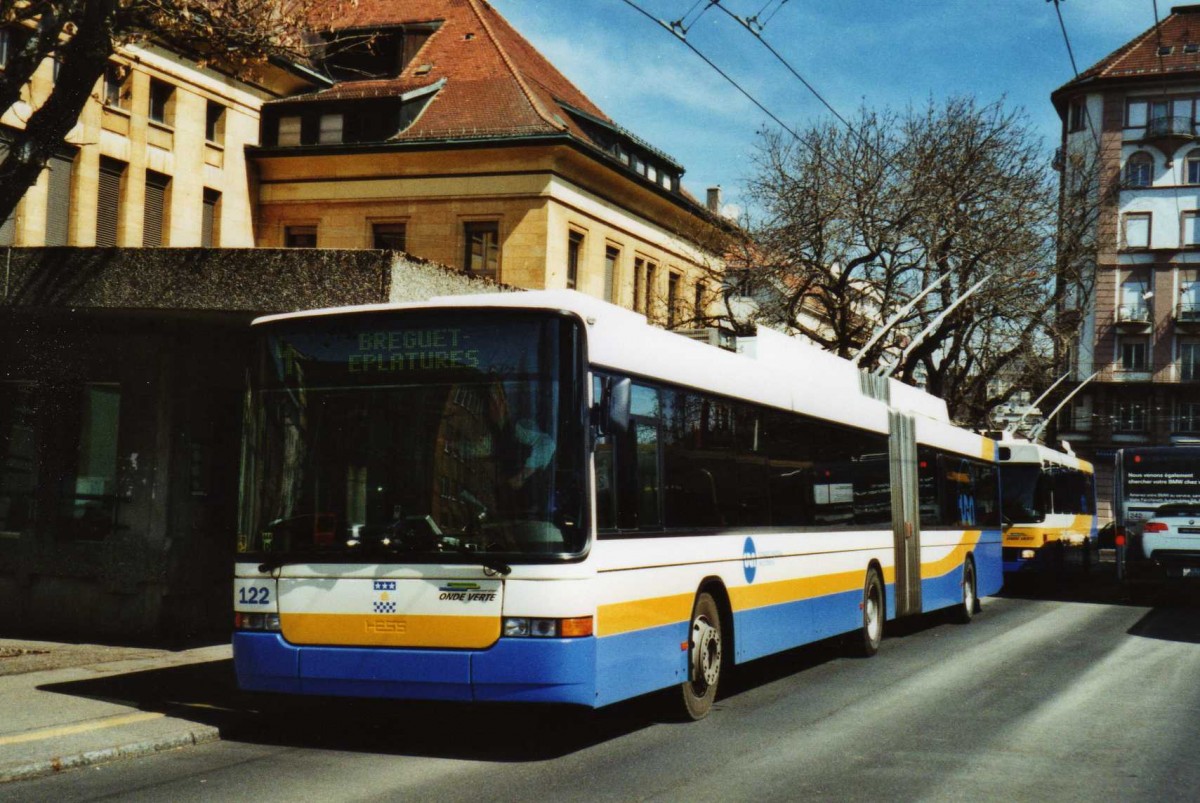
(366, 630)
(641, 614)
(1031, 537)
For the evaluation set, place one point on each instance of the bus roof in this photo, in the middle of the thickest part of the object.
(771, 368)
(1025, 452)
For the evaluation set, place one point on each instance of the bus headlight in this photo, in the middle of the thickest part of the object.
(268, 622)
(1028, 554)
(526, 627)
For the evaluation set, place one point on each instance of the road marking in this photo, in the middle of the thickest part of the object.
(84, 727)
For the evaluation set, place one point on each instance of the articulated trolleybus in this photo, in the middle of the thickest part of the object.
(1049, 499)
(537, 497)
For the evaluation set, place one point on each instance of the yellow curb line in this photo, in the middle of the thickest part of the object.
(68, 730)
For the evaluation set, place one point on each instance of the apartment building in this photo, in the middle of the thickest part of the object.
(1137, 112)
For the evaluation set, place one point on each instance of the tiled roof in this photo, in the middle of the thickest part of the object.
(1141, 57)
(496, 83)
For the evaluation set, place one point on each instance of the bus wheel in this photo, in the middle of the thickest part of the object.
(705, 657)
(873, 612)
(965, 610)
(1087, 556)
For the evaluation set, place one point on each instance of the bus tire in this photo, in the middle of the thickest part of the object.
(705, 658)
(1087, 556)
(870, 636)
(964, 612)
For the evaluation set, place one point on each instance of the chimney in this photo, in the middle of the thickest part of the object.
(714, 200)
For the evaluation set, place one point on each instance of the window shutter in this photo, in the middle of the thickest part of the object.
(153, 218)
(108, 202)
(58, 202)
(208, 218)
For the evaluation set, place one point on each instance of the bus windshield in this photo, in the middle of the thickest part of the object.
(416, 436)
(1023, 494)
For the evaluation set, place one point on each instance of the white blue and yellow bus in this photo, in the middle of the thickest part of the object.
(1049, 502)
(537, 497)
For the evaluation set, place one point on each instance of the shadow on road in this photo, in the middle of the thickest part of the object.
(206, 693)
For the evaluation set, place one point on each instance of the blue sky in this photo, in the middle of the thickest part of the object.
(882, 53)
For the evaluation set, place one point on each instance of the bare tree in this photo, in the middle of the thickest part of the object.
(860, 221)
(82, 35)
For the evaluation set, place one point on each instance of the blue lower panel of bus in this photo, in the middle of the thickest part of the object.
(641, 661)
(764, 631)
(513, 670)
(989, 567)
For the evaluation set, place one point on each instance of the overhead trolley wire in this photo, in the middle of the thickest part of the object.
(683, 38)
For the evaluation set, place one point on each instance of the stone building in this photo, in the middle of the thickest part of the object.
(449, 136)
(1137, 112)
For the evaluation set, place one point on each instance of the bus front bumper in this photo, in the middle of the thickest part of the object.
(521, 670)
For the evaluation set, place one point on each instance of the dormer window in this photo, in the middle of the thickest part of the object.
(371, 54)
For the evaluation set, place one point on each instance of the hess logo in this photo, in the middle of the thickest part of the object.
(386, 626)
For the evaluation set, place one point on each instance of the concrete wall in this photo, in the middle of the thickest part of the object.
(169, 329)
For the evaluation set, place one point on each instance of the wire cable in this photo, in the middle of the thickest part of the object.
(667, 27)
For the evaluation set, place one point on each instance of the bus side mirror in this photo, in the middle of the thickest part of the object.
(610, 415)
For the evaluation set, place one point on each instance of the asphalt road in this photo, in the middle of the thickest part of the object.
(1056, 695)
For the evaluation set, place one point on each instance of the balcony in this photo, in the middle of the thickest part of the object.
(1187, 316)
(1169, 132)
(1134, 317)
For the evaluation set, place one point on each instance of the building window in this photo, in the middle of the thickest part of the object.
(482, 251)
(1136, 229)
(1188, 418)
(1135, 114)
(331, 129)
(1191, 168)
(699, 305)
(574, 251)
(1139, 169)
(673, 312)
(1189, 361)
(108, 202)
(1077, 115)
(154, 211)
(114, 86)
(300, 237)
(1129, 416)
(58, 458)
(1191, 228)
(289, 131)
(162, 102)
(612, 256)
(1133, 354)
(639, 284)
(6, 46)
(1135, 300)
(214, 123)
(58, 200)
(210, 217)
(389, 236)
(1189, 299)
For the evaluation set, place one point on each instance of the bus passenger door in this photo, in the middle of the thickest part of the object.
(906, 514)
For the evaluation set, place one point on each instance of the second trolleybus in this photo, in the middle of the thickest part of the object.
(538, 497)
(1048, 498)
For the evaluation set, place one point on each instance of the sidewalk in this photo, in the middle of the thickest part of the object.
(73, 705)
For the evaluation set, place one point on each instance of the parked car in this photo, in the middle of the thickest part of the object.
(1171, 538)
